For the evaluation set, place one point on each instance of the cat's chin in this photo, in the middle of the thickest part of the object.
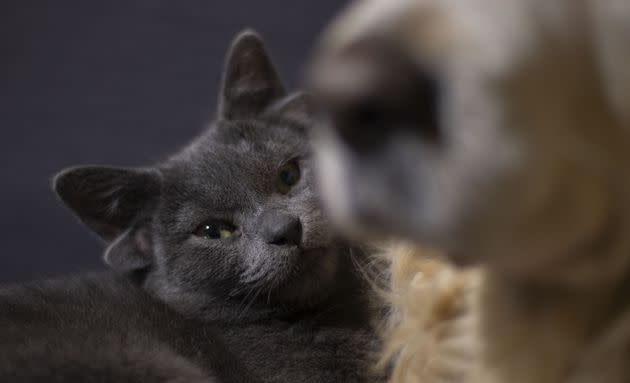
(308, 279)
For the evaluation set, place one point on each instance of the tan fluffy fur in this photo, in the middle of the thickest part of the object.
(551, 226)
(432, 334)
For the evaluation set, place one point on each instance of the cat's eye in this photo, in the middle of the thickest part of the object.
(215, 230)
(288, 176)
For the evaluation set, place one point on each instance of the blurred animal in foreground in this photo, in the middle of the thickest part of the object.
(499, 132)
(431, 332)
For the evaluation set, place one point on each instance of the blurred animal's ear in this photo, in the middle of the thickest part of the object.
(297, 107)
(250, 82)
(115, 203)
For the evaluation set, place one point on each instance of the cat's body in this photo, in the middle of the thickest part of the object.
(329, 343)
(229, 233)
(498, 130)
(103, 328)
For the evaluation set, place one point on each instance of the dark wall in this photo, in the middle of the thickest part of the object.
(119, 82)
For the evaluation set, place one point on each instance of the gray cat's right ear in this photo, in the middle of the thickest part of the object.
(250, 82)
(115, 203)
(297, 107)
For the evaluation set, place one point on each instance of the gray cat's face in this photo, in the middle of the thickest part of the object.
(239, 215)
(233, 215)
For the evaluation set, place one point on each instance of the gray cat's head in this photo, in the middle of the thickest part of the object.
(232, 215)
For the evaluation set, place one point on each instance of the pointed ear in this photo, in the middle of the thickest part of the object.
(250, 82)
(297, 107)
(115, 203)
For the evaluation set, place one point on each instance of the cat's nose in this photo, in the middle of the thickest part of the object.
(281, 229)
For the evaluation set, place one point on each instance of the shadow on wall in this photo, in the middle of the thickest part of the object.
(116, 82)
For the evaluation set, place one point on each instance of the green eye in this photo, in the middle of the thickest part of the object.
(288, 176)
(215, 230)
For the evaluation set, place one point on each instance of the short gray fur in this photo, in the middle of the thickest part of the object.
(283, 290)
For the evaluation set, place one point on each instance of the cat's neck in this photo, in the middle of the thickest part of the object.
(348, 303)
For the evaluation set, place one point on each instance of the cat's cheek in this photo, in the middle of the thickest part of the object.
(201, 260)
(317, 229)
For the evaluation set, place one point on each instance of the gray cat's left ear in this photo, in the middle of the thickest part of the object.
(250, 82)
(297, 107)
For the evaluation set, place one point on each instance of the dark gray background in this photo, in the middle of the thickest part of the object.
(119, 82)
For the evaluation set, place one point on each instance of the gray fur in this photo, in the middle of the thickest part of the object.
(282, 289)
(103, 328)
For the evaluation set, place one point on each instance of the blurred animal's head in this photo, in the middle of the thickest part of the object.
(495, 129)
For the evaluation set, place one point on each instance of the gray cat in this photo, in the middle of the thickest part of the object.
(229, 233)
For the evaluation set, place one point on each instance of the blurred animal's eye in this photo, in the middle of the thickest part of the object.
(288, 176)
(364, 126)
(215, 230)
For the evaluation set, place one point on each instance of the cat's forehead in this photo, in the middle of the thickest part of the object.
(240, 152)
(245, 137)
(256, 135)
(248, 140)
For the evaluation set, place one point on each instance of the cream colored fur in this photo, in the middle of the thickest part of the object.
(549, 212)
(432, 335)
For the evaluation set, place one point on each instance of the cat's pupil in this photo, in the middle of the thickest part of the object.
(288, 176)
(211, 231)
